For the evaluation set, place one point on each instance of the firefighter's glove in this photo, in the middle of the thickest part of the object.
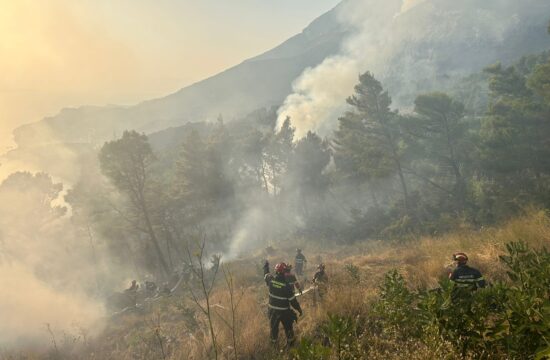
(301, 313)
(301, 292)
(266, 267)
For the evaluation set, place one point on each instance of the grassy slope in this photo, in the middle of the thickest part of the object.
(173, 326)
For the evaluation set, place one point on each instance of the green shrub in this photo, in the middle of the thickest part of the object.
(341, 332)
(528, 307)
(353, 272)
(505, 319)
(309, 350)
(395, 307)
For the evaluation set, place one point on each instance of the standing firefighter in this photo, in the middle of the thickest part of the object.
(299, 262)
(131, 293)
(465, 277)
(320, 279)
(281, 298)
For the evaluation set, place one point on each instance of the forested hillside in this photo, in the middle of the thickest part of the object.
(382, 174)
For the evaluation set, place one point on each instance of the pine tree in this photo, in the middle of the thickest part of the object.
(127, 163)
(439, 132)
(368, 143)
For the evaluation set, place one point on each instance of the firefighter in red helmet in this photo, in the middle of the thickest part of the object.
(281, 302)
(464, 276)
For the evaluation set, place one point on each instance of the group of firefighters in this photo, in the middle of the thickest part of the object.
(282, 296)
(283, 285)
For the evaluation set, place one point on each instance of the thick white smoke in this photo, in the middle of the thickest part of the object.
(412, 46)
(28, 305)
(47, 272)
(319, 94)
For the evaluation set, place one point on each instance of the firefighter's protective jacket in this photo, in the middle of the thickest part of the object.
(299, 260)
(467, 277)
(281, 294)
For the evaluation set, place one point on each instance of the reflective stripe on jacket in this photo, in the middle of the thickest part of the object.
(281, 294)
(467, 277)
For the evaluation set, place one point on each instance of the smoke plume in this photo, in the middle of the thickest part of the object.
(412, 46)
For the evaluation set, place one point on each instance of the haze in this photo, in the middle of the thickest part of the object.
(61, 53)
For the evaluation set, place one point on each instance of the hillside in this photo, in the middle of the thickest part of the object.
(174, 327)
(262, 81)
(428, 47)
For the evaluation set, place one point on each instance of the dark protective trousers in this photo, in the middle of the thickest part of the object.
(286, 317)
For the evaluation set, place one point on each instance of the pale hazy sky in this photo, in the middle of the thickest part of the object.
(58, 53)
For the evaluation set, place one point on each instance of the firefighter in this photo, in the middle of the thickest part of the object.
(292, 280)
(131, 292)
(133, 287)
(465, 277)
(299, 262)
(150, 288)
(281, 298)
(320, 275)
(320, 280)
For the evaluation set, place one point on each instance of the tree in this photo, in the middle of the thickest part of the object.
(278, 153)
(251, 150)
(201, 182)
(306, 168)
(439, 130)
(368, 142)
(514, 149)
(30, 197)
(127, 163)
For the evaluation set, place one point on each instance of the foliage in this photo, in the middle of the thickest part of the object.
(505, 318)
(353, 272)
(368, 142)
(127, 163)
(309, 350)
(396, 306)
(341, 332)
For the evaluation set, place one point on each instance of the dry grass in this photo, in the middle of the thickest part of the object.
(422, 262)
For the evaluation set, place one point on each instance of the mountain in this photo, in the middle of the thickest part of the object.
(439, 41)
(262, 81)
(425, 48)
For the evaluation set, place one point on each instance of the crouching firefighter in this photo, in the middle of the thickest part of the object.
(465, 278)
(281, 298)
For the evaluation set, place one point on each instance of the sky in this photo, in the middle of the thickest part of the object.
(67, 53)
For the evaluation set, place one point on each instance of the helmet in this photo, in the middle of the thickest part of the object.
(280, 268)
(321, 266)
(460, 257)
(298, 250)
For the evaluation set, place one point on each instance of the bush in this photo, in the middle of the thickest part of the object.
(510, 319)
(308, 350)
(395, 307)
(353, 272)
(340, 331)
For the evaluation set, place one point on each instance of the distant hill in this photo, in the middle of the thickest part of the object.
(427, 48)
(262, 81)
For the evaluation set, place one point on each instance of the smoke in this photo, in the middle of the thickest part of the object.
(47, 272)
(319, 94)
(27, 304)
(412, 46)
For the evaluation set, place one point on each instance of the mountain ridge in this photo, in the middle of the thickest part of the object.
(239, 86)
(421, 52)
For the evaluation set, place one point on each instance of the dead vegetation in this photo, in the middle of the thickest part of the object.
(176, 327)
